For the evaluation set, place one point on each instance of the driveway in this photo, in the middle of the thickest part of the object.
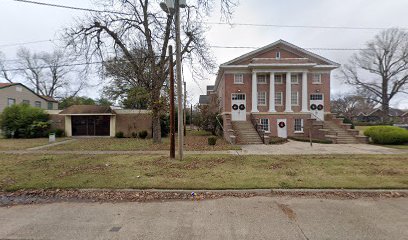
(227, 218)
(295, 147)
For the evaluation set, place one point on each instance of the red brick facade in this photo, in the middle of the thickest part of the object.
(280, 58)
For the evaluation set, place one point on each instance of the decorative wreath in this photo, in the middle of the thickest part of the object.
(320, 107)
(235, 107)
(313, 106)
(242, 107)
(281, 124)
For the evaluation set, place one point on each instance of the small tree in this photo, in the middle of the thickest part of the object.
(23, 120)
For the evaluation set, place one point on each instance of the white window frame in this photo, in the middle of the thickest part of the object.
(238, 78)
(278, 55)
(298, 125)
(265, 122)
(11, 99)
(264, 80)
(295, 103)
(316, 94)
(37, 105)
(265, 98)
(319, 81)
(296, 76)
(235, 95)
(281, 78)
(280, 99)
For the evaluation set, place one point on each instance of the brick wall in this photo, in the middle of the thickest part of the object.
(134, 122)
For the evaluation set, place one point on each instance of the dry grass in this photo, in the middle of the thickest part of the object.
(21, 144)
(202, 171)
(192, 143)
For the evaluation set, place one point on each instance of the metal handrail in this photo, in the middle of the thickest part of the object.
(223, 130)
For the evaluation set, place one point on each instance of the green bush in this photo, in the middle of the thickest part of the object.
(277, 140)
(348, 121)
(387, 135)
(306, 139)
(143, 134)
(212, 141)
(134, 134)
(119, 135)
(24, 121)
(59, 132)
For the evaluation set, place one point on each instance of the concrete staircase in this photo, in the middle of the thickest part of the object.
(340, 135)
(246, 133)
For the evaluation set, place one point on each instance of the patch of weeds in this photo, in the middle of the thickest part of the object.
(284, 185)
(291, 172)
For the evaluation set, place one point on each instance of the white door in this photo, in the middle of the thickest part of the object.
(317, 106)
(238, 107)
(282, 128)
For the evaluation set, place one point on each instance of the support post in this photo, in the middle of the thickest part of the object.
(172, 117)
(254, 93)
(184, 112)
(304, 92)
(272, 92)
(180, 133)
(288, 102)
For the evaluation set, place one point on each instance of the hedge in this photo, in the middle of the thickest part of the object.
(387, 135)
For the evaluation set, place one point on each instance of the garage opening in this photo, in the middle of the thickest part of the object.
(90, 125)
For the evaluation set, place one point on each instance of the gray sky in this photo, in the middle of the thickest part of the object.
(25, 23)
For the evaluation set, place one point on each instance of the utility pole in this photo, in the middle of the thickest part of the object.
(172, 126)
(179, 83)
(185, 106)
(191, 117)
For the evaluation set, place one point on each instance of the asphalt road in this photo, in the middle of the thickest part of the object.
(227, 218)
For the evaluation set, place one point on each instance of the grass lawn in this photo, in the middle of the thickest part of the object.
(202, 171)
(21, 144)
(404, 147)
(192, 143)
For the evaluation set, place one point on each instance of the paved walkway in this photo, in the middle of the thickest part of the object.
(227, 218)
(290, 148)
(295, 147)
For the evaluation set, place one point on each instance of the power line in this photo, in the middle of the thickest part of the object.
(71, 7)
(299, 26)
(215, 23)
(253, 47)
(25, 43)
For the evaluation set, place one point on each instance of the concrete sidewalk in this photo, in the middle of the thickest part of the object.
(227, 218)
(290, 148)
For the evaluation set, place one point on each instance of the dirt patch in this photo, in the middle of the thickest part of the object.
(287, 211)
(49, 196)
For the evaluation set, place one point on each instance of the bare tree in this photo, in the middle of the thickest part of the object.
(381, 69)
(138, 38)
(6, 75)
(350, 106)
(50, 73)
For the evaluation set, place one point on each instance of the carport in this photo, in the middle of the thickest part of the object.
(89, 120)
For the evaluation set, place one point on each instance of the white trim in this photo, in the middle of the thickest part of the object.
(254, 93)
(288, 102)
(241, 80)
(266, 98)
(282, 64)
(281, 99)
(272, 92)
(269, 124)
(305, 105)
(297, 98)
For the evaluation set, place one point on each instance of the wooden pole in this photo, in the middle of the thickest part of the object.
(172, 117)
(184, 109)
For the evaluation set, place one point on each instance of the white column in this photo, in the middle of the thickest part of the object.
(272, 93)
(254, 93)
(288, 103)
(304, 92)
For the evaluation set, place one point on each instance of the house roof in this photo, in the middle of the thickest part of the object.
(210, 88)
(204, 99)
(46, 98)
(88, 110)
(3, 85)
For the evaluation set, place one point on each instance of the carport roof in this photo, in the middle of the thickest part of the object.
(88, 110)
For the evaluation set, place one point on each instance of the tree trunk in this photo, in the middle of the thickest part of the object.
(385, 101)
(156, 116)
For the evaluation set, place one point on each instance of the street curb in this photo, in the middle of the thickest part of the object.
(258, 191)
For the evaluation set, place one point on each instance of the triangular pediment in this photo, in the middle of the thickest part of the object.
(288, 52)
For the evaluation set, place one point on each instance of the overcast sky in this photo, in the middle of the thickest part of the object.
(22, 22)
